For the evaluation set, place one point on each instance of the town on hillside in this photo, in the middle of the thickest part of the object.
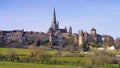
(55, 36)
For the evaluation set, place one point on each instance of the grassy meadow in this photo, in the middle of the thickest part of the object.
(17, 50)
(83, 60)
(4, 64)
(21, 51)
(29, 65)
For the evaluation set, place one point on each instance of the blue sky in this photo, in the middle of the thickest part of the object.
(36, 15)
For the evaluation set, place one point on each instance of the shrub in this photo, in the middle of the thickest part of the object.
(12, 55)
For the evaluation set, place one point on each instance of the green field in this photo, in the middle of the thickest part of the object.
(72, 59)
(18, 50)
(29, 65)
(63, 60)
(21, 51)
(26, 51)
(4, 64)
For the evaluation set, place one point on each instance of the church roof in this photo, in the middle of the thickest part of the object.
(63, 31)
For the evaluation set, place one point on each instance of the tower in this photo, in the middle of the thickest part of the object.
(54, 16)
(86, 35)
(81, 38)
(93, 36)
(55, 24)
(93, 32)
(70, 30)
(65, 28)
(51, 37)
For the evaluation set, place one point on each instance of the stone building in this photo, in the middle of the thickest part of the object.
(57, 34)
(21, 36)
(93, 37)
(55, 26)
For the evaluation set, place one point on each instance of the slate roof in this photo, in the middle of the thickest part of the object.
(63, 31)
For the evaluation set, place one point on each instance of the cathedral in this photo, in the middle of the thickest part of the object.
(55, 33)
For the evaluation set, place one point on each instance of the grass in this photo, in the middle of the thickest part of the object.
(26, 51)
(21, 51)
(71, 59)
(115, 52)
(4, 64)
(52, 52)
(18, 50)
(30, 65)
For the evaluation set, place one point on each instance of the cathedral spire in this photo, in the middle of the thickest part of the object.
(54, 16)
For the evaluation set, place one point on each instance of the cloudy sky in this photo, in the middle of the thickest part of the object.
(36, 15)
